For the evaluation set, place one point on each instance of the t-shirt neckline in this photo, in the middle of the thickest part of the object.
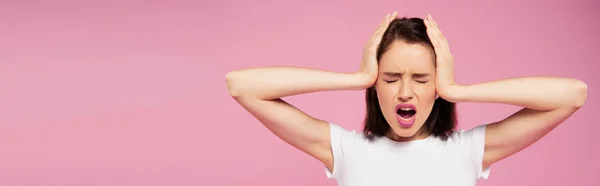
(406, 143)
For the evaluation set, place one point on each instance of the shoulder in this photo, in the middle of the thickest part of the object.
(345, 145)
(345, 138)
(463, 144)
(471, 144)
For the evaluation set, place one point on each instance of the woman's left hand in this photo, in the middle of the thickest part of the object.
(444, 60)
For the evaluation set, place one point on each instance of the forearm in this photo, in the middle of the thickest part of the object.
(275, 82)
(538, 93)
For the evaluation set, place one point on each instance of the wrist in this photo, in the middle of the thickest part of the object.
(454, 93)
(364, 80)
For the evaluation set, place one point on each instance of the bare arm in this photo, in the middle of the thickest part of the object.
(259, 91)
(269, 83)
(547, 102)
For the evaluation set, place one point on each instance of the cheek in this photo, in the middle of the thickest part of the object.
(386, 95)
(426, 100)
(426, 94)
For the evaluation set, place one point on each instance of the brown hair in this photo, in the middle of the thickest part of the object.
(442, 119)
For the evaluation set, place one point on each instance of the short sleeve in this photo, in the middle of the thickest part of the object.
(339, 137)
(478, 142)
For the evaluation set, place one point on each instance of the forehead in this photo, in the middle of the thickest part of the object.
(403, 56)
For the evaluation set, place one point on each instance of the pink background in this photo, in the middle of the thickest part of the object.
(133, 93)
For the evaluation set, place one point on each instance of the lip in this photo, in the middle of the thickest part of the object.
(406, 123)
(406, 105)
(403, 122)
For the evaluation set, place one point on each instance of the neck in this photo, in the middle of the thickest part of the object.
(418, 136)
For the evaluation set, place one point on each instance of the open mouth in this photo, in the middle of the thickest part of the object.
(406, 112)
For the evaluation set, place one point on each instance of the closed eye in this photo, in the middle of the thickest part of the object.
(389, 81)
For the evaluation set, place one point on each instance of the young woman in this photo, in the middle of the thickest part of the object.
(410, 135)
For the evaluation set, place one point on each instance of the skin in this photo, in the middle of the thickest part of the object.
(553, 100)
(407, 74)
(259, 91)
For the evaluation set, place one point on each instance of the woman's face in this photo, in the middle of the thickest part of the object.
(406, 88)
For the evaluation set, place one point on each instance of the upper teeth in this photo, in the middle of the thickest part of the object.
(406, 109)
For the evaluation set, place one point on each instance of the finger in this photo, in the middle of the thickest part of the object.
(427, 19)
(438, 40)
(385, 21)
(381, 25)
(430, 29)
(433, 38)
(436, 29)
(380, 32)
(427, 23)
(430, 19)
(433, 21)
(441, 36)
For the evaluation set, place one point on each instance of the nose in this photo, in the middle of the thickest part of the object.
(406, 92)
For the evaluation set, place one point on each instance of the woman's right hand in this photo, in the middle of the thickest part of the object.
(259, 91)
(369, 66)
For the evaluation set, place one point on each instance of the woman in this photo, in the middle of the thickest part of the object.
(409, 137)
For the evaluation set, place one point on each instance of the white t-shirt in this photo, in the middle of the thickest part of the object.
(427, 162)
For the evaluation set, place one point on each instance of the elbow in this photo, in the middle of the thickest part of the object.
(581, 92)
(232, 87)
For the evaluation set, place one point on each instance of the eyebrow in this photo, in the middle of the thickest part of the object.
(397, 74)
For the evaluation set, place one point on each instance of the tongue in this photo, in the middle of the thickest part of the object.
(405, 114)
